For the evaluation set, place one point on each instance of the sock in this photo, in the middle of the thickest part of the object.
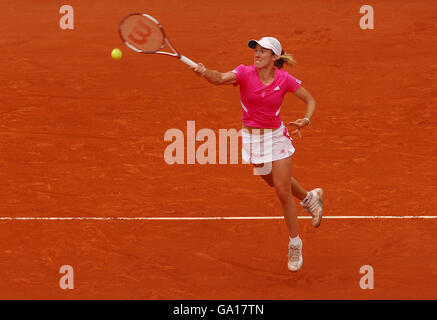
(307, 198)
(295, 241)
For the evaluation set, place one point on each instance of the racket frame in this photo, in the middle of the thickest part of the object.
(165, 41)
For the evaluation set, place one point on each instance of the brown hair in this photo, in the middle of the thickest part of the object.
(285, 58)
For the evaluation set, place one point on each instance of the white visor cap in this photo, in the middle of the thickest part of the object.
(268, 43)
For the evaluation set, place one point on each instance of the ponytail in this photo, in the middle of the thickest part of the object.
(285, 58)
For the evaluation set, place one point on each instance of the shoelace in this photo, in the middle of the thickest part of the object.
(310, 205)
(314, 205)
(294, 252)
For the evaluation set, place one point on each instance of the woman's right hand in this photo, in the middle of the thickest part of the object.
(200, 69)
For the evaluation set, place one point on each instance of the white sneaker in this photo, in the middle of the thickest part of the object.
(295, 259)
(313, 204)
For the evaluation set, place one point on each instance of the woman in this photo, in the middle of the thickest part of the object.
(265, 139)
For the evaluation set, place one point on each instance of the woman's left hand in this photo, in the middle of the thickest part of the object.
(299, 123)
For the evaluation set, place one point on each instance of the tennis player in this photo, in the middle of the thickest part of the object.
(263, 86)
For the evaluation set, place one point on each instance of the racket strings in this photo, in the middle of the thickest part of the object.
(141, 33)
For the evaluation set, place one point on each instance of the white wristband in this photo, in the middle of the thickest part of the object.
(307, 120)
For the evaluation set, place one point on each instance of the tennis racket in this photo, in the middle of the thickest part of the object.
(143, 33)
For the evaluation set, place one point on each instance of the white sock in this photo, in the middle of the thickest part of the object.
(307, 197)
(295, 241)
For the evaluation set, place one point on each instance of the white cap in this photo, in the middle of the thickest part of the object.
(268, 43)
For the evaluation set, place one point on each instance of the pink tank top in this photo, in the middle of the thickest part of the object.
(261, 103)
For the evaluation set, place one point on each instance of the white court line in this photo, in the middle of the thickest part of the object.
(205, 218)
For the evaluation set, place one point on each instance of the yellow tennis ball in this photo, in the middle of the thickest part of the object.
(116, 54)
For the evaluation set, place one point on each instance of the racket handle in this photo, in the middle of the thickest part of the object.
(188, 61)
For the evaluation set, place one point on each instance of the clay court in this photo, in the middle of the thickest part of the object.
(82, 135)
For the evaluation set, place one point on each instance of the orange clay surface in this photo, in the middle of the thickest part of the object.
(82, 135)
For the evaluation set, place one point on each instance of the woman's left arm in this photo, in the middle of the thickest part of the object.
(306, 97)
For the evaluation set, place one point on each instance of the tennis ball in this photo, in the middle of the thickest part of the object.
(116, 54)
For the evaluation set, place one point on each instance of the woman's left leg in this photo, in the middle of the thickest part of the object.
(281, 173)
(297, 190)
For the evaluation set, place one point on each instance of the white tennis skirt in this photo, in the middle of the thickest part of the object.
(272, 145)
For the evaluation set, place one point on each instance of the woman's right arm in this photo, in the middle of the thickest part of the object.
(215, 77)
